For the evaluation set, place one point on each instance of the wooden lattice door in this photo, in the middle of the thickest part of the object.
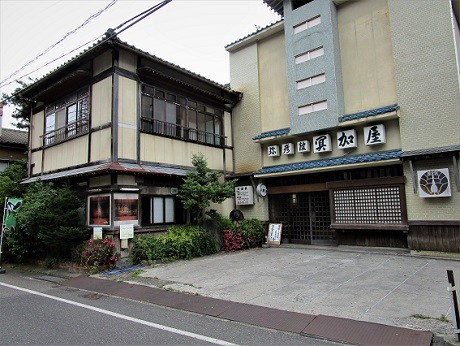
(305, 217)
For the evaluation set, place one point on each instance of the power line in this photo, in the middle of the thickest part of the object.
(89, 19)
(110, 34)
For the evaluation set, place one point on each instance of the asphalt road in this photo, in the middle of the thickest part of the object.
(34, 311)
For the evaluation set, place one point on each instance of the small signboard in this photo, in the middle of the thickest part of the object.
(97, 233)
(274, 233)
(244, 195)
(126, 231)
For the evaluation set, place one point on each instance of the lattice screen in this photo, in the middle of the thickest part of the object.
(378, 205)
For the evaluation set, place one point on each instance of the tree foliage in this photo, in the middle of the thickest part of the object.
(47, 223)
(10, 180)
(21, 107)
(202, 187)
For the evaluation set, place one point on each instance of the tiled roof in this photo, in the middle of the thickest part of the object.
(430, 151)
(279, 132)
(254, 33)
(336, 161)
(110, 166)
(117, 41)
(10, 136)
(369, 113)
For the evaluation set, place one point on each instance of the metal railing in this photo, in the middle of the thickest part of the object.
(65, 132)
(171, 130)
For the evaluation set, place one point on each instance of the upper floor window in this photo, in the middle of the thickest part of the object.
(313, 107)
(307, 24)
(66, 118)
(173, 115)
(308, 82)
(311, 54)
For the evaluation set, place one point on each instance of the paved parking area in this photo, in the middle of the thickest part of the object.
(392, 289)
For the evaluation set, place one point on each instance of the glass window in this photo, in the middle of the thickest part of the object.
(147, 107)
(126, 208)
(99, 210)
(50, 125)
(72, 118)
(316, 52)
(160, 94)
(83, 109)
(170, 113)
(159, 110)
(169, 209)
(158, 216)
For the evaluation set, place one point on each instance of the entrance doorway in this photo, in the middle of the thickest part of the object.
(305, 217)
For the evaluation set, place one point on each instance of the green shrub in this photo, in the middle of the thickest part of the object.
(98, 255)
(180, 242)
(47, 223)
(252, 232)
(224, 222)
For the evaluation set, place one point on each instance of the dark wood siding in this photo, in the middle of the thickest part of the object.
(434, 236)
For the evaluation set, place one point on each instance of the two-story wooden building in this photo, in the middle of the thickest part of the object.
(123, 125)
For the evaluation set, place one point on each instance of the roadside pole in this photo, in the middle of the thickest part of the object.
(453, 289)
(2, 271)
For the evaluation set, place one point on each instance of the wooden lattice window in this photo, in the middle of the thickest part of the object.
(372, 203)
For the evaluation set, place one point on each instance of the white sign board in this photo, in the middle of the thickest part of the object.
(287, 149)
(97, 233)
(375, 134)
(274, 233)
(303, 146)
(126, 231)
(244, 195)
(322, 144)
(434, 183)
(273, 150)
(347, 139)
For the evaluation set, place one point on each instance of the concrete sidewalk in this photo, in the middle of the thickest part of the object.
(379, 286)
(323, 327)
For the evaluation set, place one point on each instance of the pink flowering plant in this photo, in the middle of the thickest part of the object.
(99, 254)
(232, 240)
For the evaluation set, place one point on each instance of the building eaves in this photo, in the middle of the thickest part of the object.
(369, 113)
(276, 5)
(431, 151)
(11, 136)
(100, 46)
(273, 133)
(267, 28)
(336, 161)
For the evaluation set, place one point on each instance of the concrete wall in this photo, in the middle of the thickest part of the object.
(425, 68)
(274, 106)
(442, 208)
(366, 55)
(37, 129)
(100, 145)
(71, 153)
(127, 118)
(246, 114)
(101, 102)
(325, 35)
(176, 152)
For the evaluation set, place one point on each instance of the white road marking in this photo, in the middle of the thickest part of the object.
(121, 316)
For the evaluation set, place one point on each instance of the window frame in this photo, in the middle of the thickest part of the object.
(81, 100)
(187, 109)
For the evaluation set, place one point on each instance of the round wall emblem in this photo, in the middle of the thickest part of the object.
(261, 190)
(434, 182)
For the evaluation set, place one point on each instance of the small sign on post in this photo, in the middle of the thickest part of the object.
(126, 231)
(97, 233)
(274, 233)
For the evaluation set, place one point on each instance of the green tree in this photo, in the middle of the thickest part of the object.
(202, 187)
(10, 180)
(21, 107)
(48, 222)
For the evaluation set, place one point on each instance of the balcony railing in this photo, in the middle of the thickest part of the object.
(162, 128)
(65, 132)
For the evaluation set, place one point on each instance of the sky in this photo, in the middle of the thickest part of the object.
(188, 33)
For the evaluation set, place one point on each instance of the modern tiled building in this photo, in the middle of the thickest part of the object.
(348, 131)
